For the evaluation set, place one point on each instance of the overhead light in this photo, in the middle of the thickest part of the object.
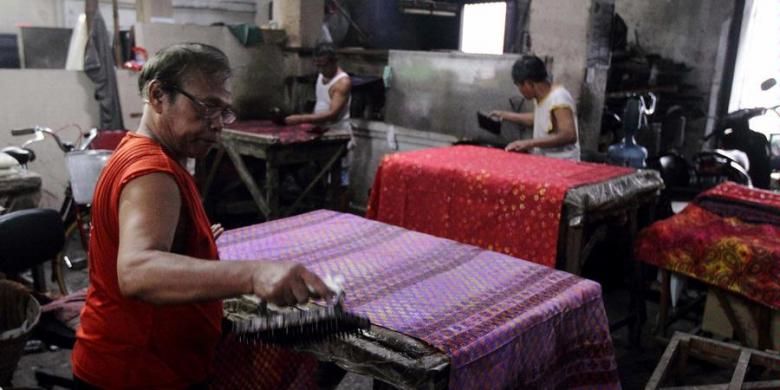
(429, 7)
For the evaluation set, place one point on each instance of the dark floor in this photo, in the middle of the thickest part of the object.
(635, 364)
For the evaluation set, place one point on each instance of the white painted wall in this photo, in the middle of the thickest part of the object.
(50, 98)
(56, 99)
(39, 13)
(64, 13)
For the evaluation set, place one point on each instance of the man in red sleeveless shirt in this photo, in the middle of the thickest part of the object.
(153, 310)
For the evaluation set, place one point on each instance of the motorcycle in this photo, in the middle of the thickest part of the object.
(738, 154)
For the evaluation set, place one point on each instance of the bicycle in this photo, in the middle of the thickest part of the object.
(84, 167)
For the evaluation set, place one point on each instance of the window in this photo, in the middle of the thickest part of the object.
(482, 28)
(758, 59)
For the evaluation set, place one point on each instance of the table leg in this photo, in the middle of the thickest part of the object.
(663, 302)
(204, 191)
(246, 177)
(272, 188)
(335, 183)
(762, 317)
(637, 302)
(329, 166)
(573, 249)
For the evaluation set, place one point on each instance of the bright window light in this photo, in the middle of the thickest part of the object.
(483, 28)
(758, 60)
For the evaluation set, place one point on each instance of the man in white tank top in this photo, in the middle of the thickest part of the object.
(333, 92)
(554, 119)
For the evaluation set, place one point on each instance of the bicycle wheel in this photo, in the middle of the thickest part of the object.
(73, 257)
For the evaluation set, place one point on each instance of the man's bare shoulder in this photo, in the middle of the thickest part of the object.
(152, 189)
(343, 85)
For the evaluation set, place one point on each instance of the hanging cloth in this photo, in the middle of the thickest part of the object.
(99, 67)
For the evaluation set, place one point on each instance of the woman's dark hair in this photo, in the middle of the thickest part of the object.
(174, 63)
(529, 68)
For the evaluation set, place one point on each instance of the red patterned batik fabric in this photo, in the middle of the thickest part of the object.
(728, 237)
(496, 200)
(243, 366)
(304, 132)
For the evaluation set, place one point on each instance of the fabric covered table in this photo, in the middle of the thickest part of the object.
(508, 202)
(279, 146)
(304, 132)
(444, 313)
(728, 237)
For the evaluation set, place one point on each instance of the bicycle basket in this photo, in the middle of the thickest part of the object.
(84, 168)
(19, 313)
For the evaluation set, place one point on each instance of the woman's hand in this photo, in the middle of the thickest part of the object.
(521, 145)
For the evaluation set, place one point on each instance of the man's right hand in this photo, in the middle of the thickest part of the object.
(287, 283)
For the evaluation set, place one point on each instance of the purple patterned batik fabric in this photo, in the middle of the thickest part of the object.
(504, 322)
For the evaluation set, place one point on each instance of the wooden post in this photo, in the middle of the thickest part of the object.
(117, 40)
(90, 7)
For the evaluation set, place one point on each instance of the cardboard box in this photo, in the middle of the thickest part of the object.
(716, 322)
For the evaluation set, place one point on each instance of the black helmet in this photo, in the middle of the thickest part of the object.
(530, 68)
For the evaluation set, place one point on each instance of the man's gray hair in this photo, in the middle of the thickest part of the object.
(171, 65)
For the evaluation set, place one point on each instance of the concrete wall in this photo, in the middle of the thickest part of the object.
(64, 13)
(682, 30)
(559, 29)
(263, 12)
(387, 28)
(42, 13)
(258, 72)
(442, 92)
(571, 32)
(192, 15)
(129, 98)
(375, 140)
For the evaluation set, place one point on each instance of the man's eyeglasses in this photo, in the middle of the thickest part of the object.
(208, 111)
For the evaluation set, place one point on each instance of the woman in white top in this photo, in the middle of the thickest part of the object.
(333, 92)
(554, 118)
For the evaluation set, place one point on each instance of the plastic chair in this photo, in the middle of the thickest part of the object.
(28, 238)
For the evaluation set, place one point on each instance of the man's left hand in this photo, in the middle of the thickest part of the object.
(217, 230)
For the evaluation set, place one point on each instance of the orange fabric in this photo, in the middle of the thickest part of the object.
(126, 343)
